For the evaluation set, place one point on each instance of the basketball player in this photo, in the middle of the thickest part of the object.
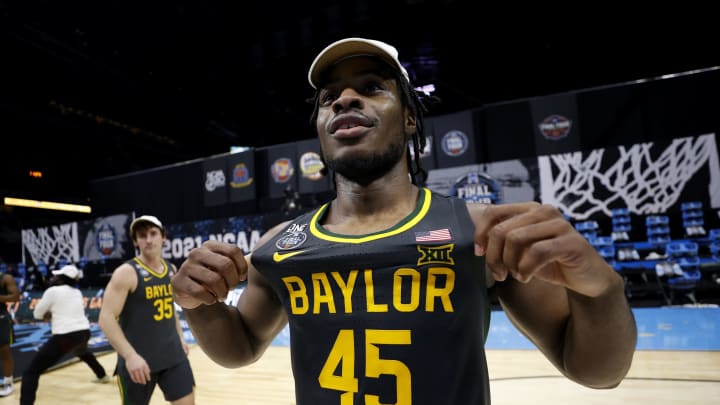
(386, 286)
(62, 305)
(9, 292)
(139, 320)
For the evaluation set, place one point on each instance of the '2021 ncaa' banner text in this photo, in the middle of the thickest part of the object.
(243, 231)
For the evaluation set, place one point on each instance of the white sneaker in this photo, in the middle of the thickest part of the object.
(104, 380)
(6, 389)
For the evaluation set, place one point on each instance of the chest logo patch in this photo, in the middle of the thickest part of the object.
(435, 254)
(291, 240)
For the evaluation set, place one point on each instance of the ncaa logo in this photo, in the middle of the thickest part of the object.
(214, 179)
(454, 143)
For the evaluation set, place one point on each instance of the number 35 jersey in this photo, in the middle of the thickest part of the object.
(393, 317)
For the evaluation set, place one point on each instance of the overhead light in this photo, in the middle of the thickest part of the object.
(47, 205)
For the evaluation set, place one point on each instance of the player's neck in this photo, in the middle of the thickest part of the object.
(382, 194)
(364, 210)
(152, 261)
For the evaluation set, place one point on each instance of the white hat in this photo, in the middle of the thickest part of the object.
(70, 270)
(347, 47)
(146, 218)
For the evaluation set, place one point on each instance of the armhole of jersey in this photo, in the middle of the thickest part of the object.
(464, 215)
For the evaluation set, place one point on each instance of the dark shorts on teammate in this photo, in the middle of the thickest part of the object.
(175, 382)
(7, 333)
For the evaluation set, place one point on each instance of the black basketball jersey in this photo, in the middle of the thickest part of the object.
(148, 318)
(394, 317)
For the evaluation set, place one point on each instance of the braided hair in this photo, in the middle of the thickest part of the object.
(409, 98)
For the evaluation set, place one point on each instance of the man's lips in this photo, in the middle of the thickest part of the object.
(349, 124)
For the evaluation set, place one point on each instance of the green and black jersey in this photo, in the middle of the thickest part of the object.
(394, 317)
(148, 318)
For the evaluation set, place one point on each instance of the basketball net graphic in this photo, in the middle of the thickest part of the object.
(50, 244)
(642, 178)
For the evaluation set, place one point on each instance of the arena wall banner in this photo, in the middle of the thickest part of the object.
(495, 183)
(310, 178)
(281, 169)
(241, 172)
(455, 138)
(215, 182)
(92, 240)
(556, 124)
(243, 231)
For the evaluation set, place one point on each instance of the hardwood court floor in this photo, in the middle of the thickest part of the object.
(518, 377)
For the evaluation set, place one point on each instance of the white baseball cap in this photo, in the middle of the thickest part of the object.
(146, 218)
(69, 270)
(348, 47)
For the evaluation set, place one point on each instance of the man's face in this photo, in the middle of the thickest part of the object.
(149, 238)
(362, 125)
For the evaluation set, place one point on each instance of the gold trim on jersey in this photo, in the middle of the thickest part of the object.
(411, 220)
(150, 270)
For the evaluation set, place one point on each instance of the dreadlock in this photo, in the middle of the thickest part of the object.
(417, 104)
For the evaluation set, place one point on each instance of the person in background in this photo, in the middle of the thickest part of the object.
(139, 320)
(9, 292)
(61, 305)
(386, 288)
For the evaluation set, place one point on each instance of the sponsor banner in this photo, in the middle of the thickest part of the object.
(455, 137)
(556, 124)
(215, 181)
(281, 169)
(241, 172)
(310, 165)
(493, 183)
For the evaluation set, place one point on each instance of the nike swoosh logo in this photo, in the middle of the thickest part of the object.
(278, 257)
(146, 279)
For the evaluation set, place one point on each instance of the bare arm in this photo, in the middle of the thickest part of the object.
(122, 282)
(231, 336)
(558, 291)
(13, 293)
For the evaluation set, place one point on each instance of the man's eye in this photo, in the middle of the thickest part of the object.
(327, 98)
(372, 87)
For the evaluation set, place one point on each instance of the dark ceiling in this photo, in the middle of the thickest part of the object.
(93, 89)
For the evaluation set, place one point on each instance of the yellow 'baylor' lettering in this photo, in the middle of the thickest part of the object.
(438, 288)
(158, 291)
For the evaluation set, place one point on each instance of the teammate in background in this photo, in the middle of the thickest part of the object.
(139, 320)
(62, 305)
(9, 292)
(385, 287)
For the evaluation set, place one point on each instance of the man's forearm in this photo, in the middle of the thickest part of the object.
(221, 333)
(600, 338)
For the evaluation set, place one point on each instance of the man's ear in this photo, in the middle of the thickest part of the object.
(410, 123)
